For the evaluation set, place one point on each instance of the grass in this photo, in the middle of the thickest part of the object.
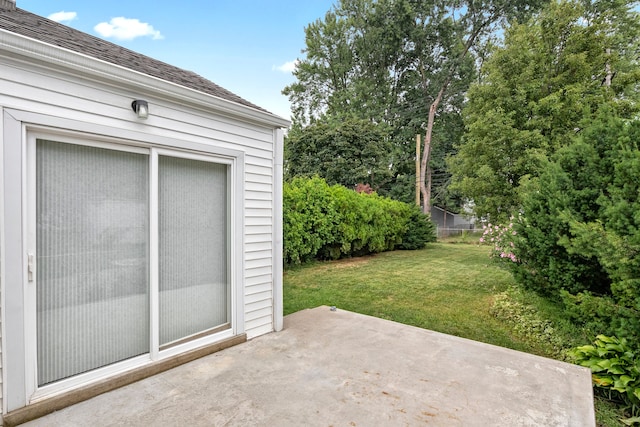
(445, 288)
(449, 288)
(464, 236)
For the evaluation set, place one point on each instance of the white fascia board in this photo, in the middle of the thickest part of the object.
(98, 69)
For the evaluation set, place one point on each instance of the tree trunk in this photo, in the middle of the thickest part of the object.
(609, 75)
(429, 183)
(425, 167)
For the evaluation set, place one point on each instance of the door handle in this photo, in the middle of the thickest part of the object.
(30, 266)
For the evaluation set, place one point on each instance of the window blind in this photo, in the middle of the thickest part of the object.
(92, 222)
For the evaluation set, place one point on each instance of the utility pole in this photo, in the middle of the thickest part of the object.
(418, 170)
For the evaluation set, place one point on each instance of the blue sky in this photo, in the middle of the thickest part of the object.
(245, 46)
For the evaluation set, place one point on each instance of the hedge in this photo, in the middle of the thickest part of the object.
(331, 222)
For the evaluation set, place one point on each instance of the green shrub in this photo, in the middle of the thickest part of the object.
(579, 235)
(602, 315)
(615, 371)
(308, 218)
(420, 231)
(330, 222)
(528, 324)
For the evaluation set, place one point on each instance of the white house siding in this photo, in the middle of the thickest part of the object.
(100, 106)
(258, 240)
(259, 257)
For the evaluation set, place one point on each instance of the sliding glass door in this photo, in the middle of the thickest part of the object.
(98, 300)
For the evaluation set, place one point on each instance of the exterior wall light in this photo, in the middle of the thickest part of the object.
(141, 108)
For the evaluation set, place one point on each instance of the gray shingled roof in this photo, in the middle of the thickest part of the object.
(36, 27)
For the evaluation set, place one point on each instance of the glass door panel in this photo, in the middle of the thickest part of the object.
(193, 223)
(92, 233)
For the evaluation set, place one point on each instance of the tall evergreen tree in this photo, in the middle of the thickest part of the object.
(579, 236)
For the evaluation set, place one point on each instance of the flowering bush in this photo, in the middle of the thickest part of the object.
(502, 238)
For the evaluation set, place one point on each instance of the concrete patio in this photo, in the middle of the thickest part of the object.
(337, 368)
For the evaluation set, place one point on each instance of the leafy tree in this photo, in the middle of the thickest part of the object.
(348, 152)
(537, 92)
(325, 77)
(348, 75)
(459, 27)
(404, 63)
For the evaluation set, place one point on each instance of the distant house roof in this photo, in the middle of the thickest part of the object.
(21, 22)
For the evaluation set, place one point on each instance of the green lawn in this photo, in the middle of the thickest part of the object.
(446, 287)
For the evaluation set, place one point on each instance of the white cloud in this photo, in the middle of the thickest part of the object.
(121, 28)
(63, 16)
(287, 67)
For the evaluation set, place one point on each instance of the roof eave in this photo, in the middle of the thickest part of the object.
(103, 70)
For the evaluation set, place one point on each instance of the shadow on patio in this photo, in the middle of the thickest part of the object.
(337, 368)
